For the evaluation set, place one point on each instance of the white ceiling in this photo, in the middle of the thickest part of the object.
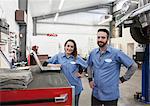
(42, 7)
(45, 7)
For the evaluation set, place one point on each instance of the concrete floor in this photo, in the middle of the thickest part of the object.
(127, 91)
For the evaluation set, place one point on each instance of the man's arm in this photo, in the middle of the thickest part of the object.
(131, 70)
(90, 77)
(90, 74)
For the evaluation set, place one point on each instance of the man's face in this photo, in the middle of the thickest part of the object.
(102, 39)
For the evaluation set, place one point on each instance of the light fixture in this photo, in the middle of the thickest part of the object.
(107, 18)
(61, 4)
(59, 8)
(56, 16)
(20, 35)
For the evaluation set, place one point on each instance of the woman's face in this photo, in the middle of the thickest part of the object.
(69, 48)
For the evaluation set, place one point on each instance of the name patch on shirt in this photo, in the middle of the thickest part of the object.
(72, 62)
(108, 60)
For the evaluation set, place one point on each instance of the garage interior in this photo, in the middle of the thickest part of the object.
(47, 24)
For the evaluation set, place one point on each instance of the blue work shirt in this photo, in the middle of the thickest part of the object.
(69, 66)
(106, 71)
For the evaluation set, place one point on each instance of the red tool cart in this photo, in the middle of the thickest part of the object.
(46, 89)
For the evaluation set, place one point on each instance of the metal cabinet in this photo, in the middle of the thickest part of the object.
(46, 89)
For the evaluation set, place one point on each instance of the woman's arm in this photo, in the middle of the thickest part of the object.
(54, 65)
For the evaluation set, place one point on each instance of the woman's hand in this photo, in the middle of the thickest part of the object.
(77, 74)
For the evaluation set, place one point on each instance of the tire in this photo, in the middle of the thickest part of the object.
(139, 34)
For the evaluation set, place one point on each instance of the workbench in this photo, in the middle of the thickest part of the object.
(46, 89)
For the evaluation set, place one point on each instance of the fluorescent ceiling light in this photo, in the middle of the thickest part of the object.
(61, 4)
(56, 16)
(59, 8)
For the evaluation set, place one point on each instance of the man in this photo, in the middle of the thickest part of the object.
(104, 65)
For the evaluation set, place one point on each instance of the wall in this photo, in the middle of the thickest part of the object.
(8, 8)
(29, 31)
(124, 41)
(51, 45)
(84, 35)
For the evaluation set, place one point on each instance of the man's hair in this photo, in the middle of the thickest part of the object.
(104, 30)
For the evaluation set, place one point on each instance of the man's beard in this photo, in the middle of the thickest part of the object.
(102, 44)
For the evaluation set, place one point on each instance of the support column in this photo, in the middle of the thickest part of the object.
(146, 76)
(23, 29)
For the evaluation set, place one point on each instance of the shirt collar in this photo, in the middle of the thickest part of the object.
(64, 55)
(107, 50)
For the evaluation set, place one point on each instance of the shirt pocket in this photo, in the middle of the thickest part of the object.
(109, 63)
(72, 66)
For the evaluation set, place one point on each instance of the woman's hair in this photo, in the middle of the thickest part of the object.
(74, 53)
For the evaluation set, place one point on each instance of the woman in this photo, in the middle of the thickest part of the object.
(70, 62)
